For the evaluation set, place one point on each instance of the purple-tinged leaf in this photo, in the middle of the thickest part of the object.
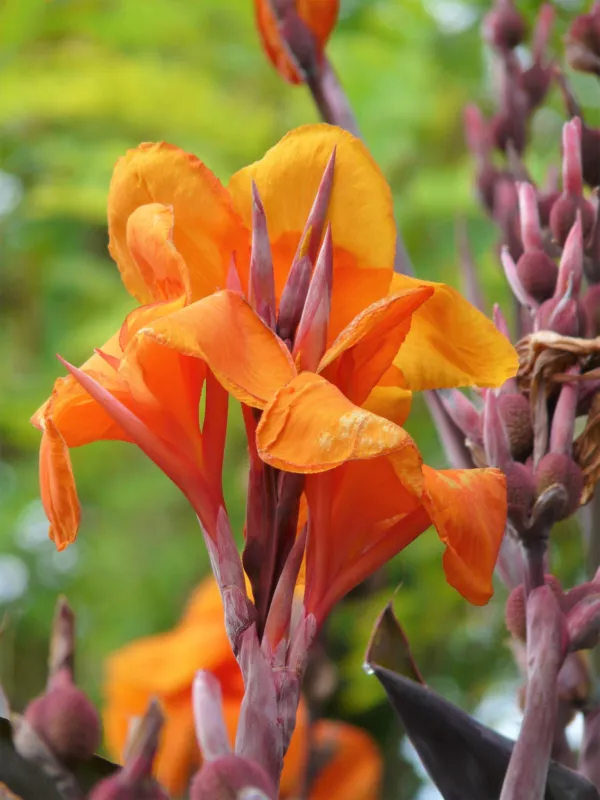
(389, 647)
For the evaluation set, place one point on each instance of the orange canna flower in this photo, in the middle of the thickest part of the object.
(311, 20)
(329, 359)
(164, 666)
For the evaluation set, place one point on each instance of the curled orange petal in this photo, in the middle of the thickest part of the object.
(206, 227)
(451, 343)
(365, 349)
(57, 486)
(468, 508)
(247, 358)
(149, 235)
(319, 17)
(310, 426)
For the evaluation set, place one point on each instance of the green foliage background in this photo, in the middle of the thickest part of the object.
(82, 81)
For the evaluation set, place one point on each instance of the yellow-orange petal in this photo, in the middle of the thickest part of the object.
(319, 16)
(206, 228)
(310, 426)
(246, 357)
(288, 176)
(57, 487)
(149, 236)
(365, 349)
(389, 399)
(468, 509)
(354, 769)
(451, 343)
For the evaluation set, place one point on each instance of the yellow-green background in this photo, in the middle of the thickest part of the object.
(80, 82)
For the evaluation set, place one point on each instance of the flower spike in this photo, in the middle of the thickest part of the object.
(311, 336)
(262, 280)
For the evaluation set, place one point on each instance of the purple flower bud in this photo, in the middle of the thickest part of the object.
(536, 80)
(583, 42)
(66, 720)
(570, 270)
(504, 27)
(535, 269)
(564, 211)
(520, 493)
(560, 469)
(507, 128)
(514, 280)
(560, 314)
(516, 415)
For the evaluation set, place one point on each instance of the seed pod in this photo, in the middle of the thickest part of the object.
(559, 468)
(66, 720)
(516, 415)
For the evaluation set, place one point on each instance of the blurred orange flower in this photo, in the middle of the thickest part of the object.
(318, 18)
(355, 767)
(164, 666)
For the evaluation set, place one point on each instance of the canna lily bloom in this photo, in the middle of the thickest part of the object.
(330, 360)
(311, 21)
(164, 666)
(328, 347)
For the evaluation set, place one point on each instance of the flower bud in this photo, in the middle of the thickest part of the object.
(514, 612)
(537, 273)
(562, 315)
(504, 27)
(559, 468)
(520, 492)
(516, 415)
(226, 777)
(583, 42)
(564, 213)
(507, 127)
(66, 720)
(546, 201)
